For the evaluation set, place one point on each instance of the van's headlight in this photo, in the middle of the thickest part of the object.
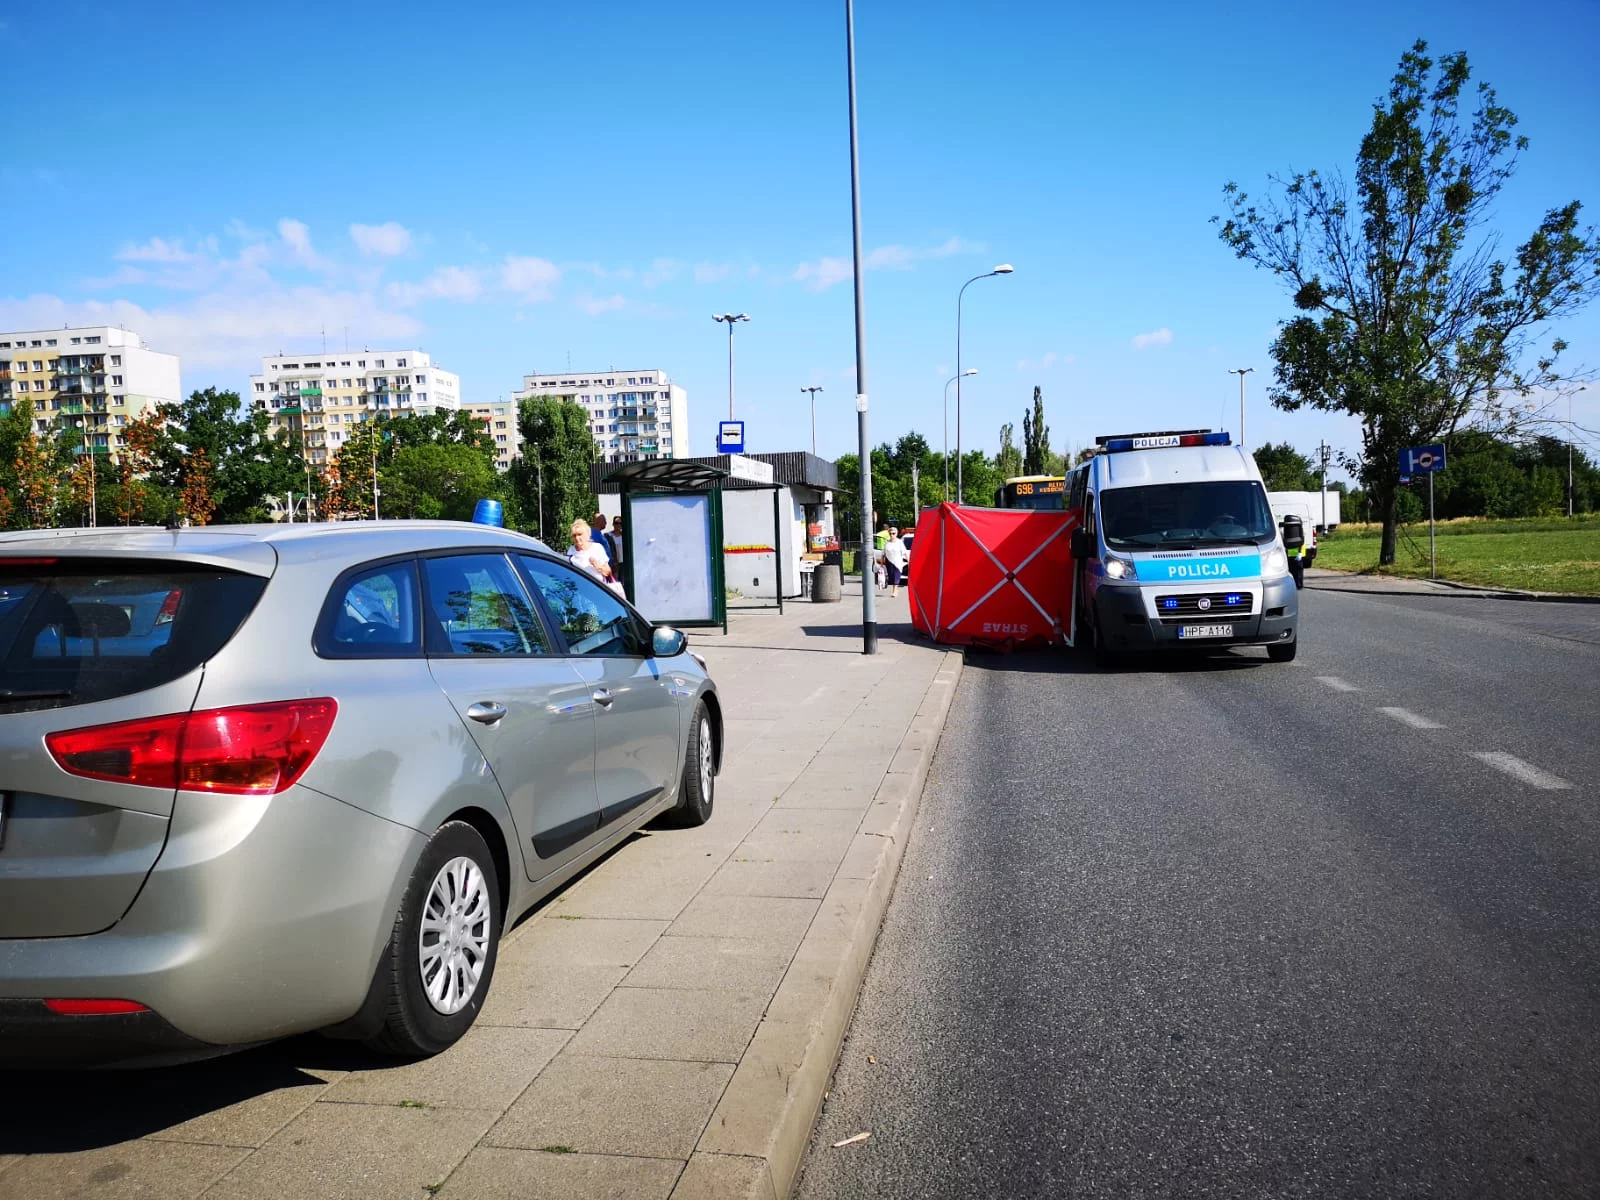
(1274, 563)
(1121, 568)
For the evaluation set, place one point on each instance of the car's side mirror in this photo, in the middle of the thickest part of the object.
(1082, 546)
(667, 642)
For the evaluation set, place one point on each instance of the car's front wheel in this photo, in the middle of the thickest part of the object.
(440, 959)
(1283, 651)
(698, 787)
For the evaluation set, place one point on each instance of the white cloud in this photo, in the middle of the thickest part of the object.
(594, 306)
(447, 283)
(235, 228)
(296, 237)
(388, 239)
(823, 274)
(160, 250)
(711, 272)
(532, 279)
(1156, 337)
(662, 270)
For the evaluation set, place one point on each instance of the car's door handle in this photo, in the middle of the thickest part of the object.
(603, 698)
(486, 711)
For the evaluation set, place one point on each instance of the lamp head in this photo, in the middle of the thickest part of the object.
(1002, 269)
(970, 371)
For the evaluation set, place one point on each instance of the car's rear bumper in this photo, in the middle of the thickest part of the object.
(32, 1037)
(263, 917)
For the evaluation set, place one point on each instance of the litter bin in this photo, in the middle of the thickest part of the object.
(826, 583)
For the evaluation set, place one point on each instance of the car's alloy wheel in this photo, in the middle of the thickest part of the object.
(453, 941)
(435, 972)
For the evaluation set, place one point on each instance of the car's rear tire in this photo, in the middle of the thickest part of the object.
(1283, 651)
(437, 967)
(697, 791)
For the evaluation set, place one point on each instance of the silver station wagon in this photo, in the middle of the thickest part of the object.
(260, 780)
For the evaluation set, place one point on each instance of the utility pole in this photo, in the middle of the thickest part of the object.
(1241, 372)
(916, 495)
(1322, 449)
(869, 616)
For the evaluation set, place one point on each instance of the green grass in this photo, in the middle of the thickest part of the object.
(1545, 554)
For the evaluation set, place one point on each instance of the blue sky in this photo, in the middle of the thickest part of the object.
(595, 181)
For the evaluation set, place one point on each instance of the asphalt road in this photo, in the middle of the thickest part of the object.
(1232, 928)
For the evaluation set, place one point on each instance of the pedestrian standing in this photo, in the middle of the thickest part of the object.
(588, 555)
(895, 557)
(598, 535)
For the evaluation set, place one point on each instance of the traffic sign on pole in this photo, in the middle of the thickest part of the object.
(730, 437)
(1422, 460)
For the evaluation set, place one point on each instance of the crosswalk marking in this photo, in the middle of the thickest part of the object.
(1526, 772)
(1406, 717)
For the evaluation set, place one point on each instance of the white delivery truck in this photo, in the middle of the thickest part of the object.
(1178, 548)
(1309, 507)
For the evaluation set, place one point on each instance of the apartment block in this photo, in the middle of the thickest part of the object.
(320, 398)
(93, 378)
(500, 419)
(632, 414)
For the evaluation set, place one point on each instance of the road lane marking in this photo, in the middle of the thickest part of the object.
(1406, 717)
(1526, 772)
(1337, 684)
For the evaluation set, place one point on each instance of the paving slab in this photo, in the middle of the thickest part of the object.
(741, 966)
(145, 1170)
(677, 1023)
(724, 1177)
(488, 1068)
(653, 1108)
(496, 1174)
(358, 1152)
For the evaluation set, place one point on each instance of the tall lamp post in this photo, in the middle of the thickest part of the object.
(1241, 372)
(1002, 269)
(731, 319)
(813, 391)
(947, 383)
(869, 616)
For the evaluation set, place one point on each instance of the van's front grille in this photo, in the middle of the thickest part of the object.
(1185, 608)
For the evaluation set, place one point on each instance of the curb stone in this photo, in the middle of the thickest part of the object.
(1483, 593)
(753, 1144)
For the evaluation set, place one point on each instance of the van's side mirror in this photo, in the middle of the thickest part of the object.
(667, 642)
(1294, 533)
(1082, 546)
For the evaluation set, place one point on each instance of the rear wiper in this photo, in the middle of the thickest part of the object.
(41, 694)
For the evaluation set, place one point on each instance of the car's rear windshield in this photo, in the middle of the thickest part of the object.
(76, 630)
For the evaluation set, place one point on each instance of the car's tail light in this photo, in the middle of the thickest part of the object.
(169, 607)
(93, 1008)
(251, 750)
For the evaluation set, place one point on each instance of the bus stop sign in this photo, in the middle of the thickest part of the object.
(1421, 460)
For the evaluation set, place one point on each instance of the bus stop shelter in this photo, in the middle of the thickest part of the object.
(672, 560)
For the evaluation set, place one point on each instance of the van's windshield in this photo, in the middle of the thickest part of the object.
(1177, 515)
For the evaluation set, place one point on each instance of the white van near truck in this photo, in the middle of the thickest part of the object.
(1178, 549)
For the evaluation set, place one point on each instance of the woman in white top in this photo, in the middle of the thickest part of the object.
(588, 556)
(896, 554)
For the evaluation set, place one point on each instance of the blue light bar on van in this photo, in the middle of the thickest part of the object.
(1160, 441)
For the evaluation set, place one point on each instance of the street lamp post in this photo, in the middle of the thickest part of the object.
(947, 383)
(731, 319)
(813, 391)
(1002, 269)
(869, 616)
(1241, 372)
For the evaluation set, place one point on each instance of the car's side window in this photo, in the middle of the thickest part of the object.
(373, 614)
(479, 607)
(591, 619)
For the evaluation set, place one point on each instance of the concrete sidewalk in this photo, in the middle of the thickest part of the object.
(664, 1027)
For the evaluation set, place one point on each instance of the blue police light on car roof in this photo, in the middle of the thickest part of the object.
(1161, 441)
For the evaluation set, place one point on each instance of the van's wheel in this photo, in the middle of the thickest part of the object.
(1104, 655)
(440, 959)
(1282, 651)
(697, 790)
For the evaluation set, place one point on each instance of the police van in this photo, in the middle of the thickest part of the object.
(1177, 548)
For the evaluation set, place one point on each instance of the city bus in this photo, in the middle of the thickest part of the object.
(1047, 492)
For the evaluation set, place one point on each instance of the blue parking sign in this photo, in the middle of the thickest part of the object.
(1422, 460)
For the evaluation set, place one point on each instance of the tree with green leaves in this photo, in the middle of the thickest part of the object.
(550, 481)
(1408, 318)
(1035, 438)
(1285, 469)
(1009, 459)
(436, 481)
